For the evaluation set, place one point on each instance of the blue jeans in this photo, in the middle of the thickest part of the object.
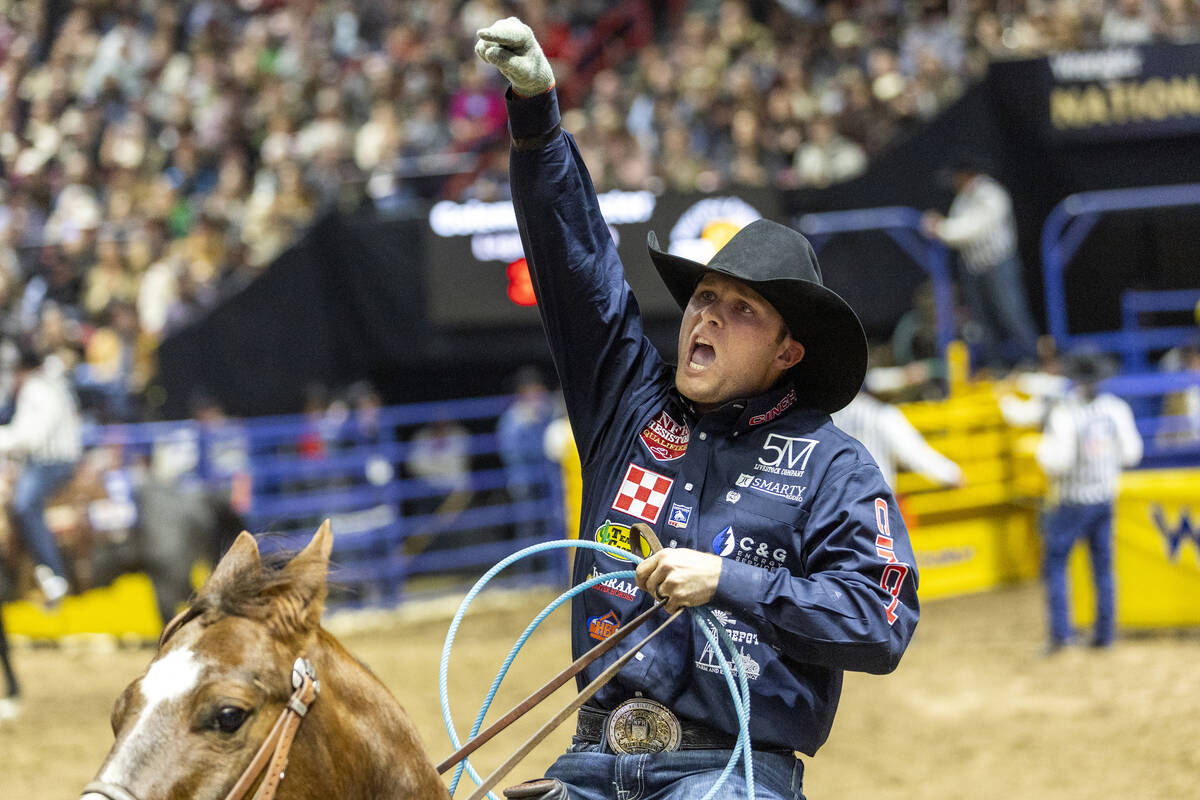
(1063, 526)
(37, 482)
(998, 302)
(592, 774)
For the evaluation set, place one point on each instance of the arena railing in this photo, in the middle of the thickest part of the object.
(1135, 303)
(903, 225)
(1066, 228)
(397, 534)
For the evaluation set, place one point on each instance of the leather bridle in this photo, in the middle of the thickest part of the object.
(271, 759)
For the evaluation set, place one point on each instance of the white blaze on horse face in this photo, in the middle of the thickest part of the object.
(172, 676)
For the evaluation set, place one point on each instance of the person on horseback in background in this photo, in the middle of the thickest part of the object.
(771, 514)
(47, 433)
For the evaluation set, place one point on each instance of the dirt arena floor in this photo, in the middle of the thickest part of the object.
(972, 712)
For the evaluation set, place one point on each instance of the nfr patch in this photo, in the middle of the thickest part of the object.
(664, 438)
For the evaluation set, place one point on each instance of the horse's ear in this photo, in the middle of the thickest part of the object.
(308, 570)
(241, 558)
(319, 547)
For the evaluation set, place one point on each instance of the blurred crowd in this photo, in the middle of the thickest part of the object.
(154, 157)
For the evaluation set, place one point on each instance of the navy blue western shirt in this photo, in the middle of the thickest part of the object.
(818, 574)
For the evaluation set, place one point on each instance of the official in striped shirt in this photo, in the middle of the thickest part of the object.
(46, 432)
(893, 441)
(981, 227)
(1089, 438)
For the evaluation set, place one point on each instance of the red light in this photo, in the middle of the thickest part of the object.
(520, 285)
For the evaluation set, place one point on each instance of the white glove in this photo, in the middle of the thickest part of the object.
(509, 46)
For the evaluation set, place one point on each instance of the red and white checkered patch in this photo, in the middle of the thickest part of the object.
(643, 493)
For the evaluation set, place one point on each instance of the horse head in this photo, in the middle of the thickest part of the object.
(221, 688)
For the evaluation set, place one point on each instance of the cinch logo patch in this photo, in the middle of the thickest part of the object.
(600, 628)
(783, 405)
(617, 535)
(643, 493)
(664, 438)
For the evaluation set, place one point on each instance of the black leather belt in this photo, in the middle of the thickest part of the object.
(593, 726)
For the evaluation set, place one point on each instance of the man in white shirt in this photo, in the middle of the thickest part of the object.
(981, 227)
(1089, 438)
(893, 441)
(47, 433)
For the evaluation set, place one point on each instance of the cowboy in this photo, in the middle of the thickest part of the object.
(1089, 438)
(771, 515)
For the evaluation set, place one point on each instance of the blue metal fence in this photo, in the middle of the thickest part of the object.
(397, 532)
(1065, 229)
(903, 225)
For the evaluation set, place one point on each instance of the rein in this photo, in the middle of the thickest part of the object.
(272, 754)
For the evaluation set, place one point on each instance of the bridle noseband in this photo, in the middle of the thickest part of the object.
(272, 755)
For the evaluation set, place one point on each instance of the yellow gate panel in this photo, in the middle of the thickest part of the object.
(124, 609)
(1156, 553)
(973, 553)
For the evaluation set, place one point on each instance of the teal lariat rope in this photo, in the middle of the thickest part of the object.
(708, 624)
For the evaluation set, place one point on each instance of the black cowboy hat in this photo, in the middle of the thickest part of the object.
(1088, 367)
(779, 264)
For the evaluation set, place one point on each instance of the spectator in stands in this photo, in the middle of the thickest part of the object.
(521, 430)
(1128, 22)
(1181, 409)
(981, 227)
(117, 364)
(828, 157)
(1038, 390)
(440, 456)
(46, 434)
(139, 124)
(915, 338)
(1089, 438)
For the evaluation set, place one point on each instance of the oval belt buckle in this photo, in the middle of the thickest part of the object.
(641, 726)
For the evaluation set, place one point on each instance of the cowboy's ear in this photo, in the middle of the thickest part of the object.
(240, 561)
(790, 354)
(306, 596)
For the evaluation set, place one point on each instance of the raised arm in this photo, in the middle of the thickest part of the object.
(588, 310)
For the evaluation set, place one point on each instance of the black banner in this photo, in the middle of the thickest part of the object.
(1122, 93)
(475, 273)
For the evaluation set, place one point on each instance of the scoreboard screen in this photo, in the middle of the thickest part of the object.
(476, 271)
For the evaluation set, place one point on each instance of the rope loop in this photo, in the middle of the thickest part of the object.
(714, 632)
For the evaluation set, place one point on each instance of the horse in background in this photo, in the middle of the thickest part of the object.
(192, 723)
(109, 520)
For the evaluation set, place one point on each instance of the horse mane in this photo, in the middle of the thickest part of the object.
(275, 593)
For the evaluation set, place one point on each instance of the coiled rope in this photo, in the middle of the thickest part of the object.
(712, 629)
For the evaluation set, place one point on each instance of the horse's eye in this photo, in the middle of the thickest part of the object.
(229, 718)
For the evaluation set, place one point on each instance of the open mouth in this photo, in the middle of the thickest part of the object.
(702, 355)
